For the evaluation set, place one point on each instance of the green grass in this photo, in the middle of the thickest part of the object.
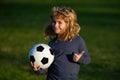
(22, 25)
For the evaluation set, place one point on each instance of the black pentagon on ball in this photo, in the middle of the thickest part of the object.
(44, 60)
(32, 59)
(40, 48)
(51, 51)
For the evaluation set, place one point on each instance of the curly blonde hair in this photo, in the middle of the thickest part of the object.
(70, 18)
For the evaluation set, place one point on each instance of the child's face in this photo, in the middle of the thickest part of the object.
(59, 26)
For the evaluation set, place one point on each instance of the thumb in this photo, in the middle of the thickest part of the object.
(82, 52)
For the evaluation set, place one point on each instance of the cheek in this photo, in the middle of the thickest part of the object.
(63, 27)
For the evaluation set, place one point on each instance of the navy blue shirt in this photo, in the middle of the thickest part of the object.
(63, 67)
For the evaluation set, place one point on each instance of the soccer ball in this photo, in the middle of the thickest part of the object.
(41, 55)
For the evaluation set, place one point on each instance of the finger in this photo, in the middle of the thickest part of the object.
(31, 64)
(38, 68)
(82, 52)
(74, 59)
(35, 68)
(75, 55)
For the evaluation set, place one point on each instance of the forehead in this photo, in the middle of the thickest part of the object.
(59, 18)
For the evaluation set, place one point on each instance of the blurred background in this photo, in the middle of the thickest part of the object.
(22, 24)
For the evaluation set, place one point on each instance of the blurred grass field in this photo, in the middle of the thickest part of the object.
(22, 25)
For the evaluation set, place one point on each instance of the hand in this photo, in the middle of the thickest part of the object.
(76, 57)
(35, 68)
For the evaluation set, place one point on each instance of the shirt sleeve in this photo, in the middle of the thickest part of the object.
(85, 59)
